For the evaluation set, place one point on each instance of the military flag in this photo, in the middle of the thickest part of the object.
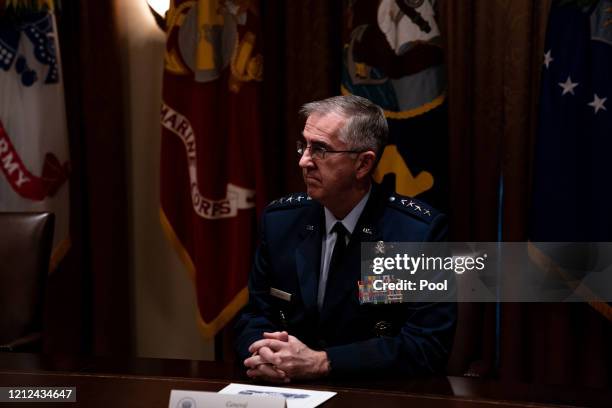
(393, 56)
(211, 175)
(572, 167)
(34, 155)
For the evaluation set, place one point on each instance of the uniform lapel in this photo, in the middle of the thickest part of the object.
(308, 256)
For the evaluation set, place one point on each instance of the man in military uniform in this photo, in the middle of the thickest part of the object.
(304, 319)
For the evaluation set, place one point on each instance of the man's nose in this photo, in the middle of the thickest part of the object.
(306, 160)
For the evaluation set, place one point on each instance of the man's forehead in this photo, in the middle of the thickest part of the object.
(324, 125)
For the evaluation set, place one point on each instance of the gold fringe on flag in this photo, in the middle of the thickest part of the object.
(19, 6)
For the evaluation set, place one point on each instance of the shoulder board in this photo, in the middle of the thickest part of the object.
(290, 201)
(413, 206)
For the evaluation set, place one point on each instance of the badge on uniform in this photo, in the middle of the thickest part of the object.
(383, 328)
(367, 293)
(280, 294)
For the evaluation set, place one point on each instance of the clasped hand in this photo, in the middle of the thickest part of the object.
(280, 357)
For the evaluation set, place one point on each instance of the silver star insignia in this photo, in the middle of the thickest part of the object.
(598, 103)
(548, 58)
(568, 86)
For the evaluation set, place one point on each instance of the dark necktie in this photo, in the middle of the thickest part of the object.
(339, 249)
(335, 262)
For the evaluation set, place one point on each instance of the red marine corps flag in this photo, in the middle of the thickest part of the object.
(34, 158)
(211, 150)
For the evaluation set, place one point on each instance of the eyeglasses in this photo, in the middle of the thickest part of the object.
(318, 151)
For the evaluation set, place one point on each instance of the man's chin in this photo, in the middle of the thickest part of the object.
(313, 192)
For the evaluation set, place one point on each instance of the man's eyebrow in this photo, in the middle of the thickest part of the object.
(320, 144)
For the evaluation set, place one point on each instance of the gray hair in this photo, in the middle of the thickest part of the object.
(366, 127)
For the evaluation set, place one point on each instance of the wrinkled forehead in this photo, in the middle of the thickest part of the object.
(323, 127)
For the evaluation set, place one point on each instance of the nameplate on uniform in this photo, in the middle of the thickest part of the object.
(277, 293)
(201, 399)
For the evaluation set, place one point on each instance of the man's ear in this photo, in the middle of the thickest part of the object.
(365, 164)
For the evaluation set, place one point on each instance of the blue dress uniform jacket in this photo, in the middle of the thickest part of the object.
(407, 338)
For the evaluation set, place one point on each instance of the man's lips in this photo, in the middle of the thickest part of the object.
(311, 179)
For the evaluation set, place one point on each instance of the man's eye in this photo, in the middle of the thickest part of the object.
(318, 148)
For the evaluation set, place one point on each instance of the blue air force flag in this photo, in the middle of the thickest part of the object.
(572, 196)
(572, 163)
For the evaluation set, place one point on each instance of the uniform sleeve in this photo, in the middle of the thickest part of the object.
(422, 345)
(255, 320)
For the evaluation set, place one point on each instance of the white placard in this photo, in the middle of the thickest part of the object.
(202, 399)
(296, 397)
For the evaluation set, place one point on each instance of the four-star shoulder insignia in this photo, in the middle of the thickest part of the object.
(290, 201)
(413, 206)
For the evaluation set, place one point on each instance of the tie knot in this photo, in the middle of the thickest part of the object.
(340, 230)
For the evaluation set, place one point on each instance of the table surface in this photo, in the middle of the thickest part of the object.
(130, 382)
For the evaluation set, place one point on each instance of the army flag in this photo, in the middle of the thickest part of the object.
(393, 56)
(34, 155)
(211, 175)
